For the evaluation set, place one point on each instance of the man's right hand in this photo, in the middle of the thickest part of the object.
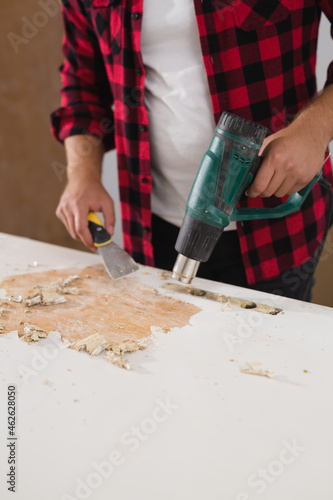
(81, 196)
(84, 191)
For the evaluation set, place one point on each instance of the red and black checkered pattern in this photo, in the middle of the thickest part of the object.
(260, 62)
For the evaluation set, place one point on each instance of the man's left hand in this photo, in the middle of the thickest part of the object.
(295, 154)
(291, 160)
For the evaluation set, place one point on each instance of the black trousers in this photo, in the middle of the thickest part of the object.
(226, 264)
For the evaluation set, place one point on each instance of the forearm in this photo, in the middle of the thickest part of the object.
(84, 190)
(84, 157)
(317, 116)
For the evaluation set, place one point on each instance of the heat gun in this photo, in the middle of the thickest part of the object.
(226, 171)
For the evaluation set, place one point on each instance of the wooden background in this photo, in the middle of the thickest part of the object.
(32, 162)
(30, 183)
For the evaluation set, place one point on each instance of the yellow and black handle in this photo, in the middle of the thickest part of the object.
(99, 234)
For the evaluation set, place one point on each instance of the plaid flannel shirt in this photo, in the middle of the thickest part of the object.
(260, 62)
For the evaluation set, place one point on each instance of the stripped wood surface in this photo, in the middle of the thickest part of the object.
(119, 310)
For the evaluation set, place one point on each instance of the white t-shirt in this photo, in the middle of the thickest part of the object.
(178, 102)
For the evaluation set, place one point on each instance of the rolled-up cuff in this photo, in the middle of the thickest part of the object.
(80, 119)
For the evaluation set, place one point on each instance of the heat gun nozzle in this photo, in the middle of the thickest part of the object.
(185, 269)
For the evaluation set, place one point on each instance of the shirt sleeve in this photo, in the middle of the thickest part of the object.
(326, 7)
(86, 98)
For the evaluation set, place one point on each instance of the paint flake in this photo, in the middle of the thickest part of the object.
(94, 344)
(257, 371)
(34, 264)
(115, 353)
(44, 297)
(33, 333)
(52, 293)
(33, 299)
(227, 305)
(16, 299)
(62, 286)
(51, 298)
(118, 360)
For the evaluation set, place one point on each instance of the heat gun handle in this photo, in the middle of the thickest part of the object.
(292, 204)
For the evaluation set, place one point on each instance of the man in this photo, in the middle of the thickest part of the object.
(151, 79)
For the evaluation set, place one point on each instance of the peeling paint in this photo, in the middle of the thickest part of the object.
(257, 371)
(94, 344)
(33, 333)
(115, 353)
(36, 296)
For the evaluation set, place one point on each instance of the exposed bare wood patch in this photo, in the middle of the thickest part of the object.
(117, 311)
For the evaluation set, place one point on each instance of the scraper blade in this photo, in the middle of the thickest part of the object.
(117, 262)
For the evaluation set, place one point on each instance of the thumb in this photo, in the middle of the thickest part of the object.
(109, 215)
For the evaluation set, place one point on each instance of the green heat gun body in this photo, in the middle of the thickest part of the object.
(226, 171)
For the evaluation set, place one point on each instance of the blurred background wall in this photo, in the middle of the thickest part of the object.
(32, 163)
(30, 55)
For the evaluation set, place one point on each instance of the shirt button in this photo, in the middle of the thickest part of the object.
(138, 71)
(142, 128)
(146, 229)
(135, 16)
(144, 180)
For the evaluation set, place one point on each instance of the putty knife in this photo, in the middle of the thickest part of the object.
(117, 262)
